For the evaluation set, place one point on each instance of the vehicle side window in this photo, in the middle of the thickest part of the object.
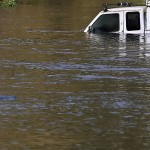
(133, 21)
(107, 23)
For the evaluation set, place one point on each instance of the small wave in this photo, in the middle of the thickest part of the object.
(51, 31)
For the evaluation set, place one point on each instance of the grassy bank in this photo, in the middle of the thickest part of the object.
(8, 3)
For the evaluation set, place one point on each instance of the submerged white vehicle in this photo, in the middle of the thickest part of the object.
(123, 19)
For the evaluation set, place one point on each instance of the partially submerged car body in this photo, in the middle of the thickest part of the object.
(128, 19)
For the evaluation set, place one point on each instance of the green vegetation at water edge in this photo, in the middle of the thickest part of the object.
(8, 3)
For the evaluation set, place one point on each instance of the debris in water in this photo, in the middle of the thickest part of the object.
(9, 98)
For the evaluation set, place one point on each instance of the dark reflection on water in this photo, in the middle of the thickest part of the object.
(63, 89)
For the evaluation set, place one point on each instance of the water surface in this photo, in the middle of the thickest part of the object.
(63, 89)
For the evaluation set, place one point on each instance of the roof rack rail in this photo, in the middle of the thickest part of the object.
(121, 4)
(148, 3)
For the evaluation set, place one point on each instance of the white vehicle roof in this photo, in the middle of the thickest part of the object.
(133, 8)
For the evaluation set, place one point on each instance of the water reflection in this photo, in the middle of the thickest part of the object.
(124, 42)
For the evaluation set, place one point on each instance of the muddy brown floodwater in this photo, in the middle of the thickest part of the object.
(62, 89)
